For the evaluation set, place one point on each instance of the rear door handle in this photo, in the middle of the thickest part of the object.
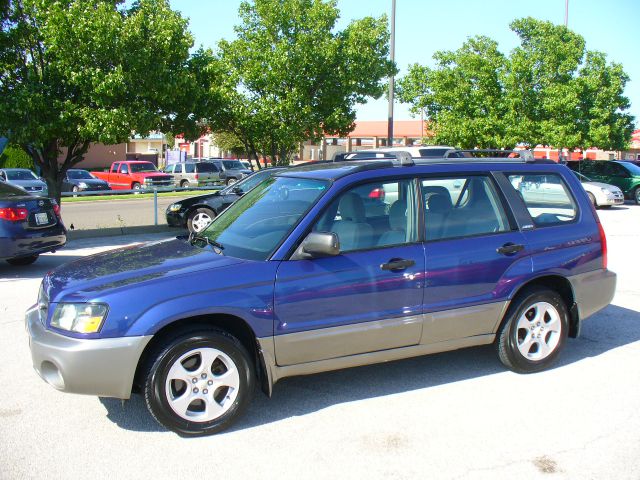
(397, 264)
(510, 248)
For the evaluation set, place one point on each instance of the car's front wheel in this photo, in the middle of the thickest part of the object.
(636, 195)
(592, 199)
(534, 330)
(231, 181)
(22, 261)
(200, 219)
(199, 383)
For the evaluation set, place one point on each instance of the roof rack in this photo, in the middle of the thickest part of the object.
(519, 156)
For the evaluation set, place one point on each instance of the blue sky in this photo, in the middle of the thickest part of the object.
(425, 26)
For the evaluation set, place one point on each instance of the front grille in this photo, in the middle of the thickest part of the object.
(33, 189)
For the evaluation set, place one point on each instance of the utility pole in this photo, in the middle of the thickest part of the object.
(566, 13)
(391, 79)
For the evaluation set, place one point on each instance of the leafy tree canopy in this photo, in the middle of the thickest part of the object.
(549, 90)
(80, 71)
(291, 76)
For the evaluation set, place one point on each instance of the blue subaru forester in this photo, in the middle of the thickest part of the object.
(326, 267)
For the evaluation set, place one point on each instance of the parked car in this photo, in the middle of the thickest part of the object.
(134, 175)
(601, 194)
(193, 174)
(78, 180)
(423, 151)
(26, 179)
(302, 275)
(231, 170)
(624, 175)
(29, 225)
(196, 213)
(247, 164)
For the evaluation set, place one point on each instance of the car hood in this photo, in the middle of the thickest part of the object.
(606, 186)
(88, 181)
(28, 183)
(100, 274)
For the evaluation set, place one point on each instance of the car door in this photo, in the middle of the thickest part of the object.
(367, 298)
(473, 249)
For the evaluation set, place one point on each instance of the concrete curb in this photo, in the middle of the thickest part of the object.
(112, 232)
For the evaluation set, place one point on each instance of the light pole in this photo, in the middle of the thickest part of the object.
(391, 79)
(566, 13)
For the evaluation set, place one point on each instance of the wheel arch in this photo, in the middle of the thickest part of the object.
(560, 285)
(231, 324)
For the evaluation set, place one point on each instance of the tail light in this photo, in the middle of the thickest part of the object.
(377, 193)
(56, 209)
(14, 214)
(603, 243)
(196, 177)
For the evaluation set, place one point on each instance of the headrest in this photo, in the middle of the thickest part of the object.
(439, 203)
(352, 208)
(398, 215)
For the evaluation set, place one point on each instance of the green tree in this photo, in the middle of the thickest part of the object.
(80, 71)
(549, 90)
(463, 95)
(292, 77)
(15, 157)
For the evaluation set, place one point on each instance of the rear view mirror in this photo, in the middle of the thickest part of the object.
(318, 244)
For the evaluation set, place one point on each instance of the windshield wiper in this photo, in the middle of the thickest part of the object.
(194, 237)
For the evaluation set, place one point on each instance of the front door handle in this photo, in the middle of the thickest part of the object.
(510, 248)
(397, 264)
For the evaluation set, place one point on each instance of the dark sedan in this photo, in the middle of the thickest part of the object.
(78, 180)
(29, 226)
(196, 213)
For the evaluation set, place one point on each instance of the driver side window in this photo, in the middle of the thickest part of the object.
(372, 215)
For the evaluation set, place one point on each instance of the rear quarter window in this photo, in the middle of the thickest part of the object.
(546, 196)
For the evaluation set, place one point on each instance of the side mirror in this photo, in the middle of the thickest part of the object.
(237, 190)
(318, 244)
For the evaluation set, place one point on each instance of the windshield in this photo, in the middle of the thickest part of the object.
(7, 190)
(142, 167)
(582, 178)
(232, 165)
(254, 226)
(632, 167)
(79, 175)
(249, 182)
(20, 175)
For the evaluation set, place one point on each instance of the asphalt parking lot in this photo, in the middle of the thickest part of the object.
(453, 415)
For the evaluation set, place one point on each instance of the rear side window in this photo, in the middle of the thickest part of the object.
(206, 167)
(189, 168)
(547, 198)
(462, 206)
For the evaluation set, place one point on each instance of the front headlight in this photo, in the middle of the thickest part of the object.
(82, 185)
(79, 317)
(175, 207)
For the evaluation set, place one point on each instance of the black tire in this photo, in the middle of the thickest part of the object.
(510, 336)
(136, 186)
(636, 195)
(184, 183)
(231, 181)
(159, 365)
(592, 199)
(23, 261)
(199, 213)
(75, 189)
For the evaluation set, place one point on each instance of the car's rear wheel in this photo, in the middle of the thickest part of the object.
(636, 195)
(184, 184)
(534, 330)
(199, 383)
(22, 261)
(592, 199)
(200, 219)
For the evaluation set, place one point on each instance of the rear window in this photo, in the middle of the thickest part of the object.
(547, 198)
(189, 167)
(7, 190)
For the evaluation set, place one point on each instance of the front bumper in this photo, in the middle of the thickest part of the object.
(103, 367)
(176, 219)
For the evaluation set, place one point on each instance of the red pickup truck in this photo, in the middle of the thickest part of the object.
(134, 175)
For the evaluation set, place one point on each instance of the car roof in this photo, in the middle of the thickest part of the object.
(335, 170)
(16, 169)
